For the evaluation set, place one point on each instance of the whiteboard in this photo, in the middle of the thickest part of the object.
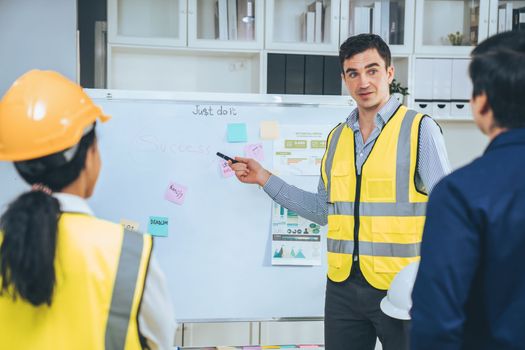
(217, 256)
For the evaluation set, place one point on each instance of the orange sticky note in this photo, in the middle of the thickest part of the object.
(269, 130)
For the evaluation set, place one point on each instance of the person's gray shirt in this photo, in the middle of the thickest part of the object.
(432, 165)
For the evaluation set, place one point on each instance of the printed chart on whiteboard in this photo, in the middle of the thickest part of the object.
(295, 240)
(300, 149)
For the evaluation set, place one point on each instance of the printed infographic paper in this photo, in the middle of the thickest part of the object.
(295, 240)
(300, 149)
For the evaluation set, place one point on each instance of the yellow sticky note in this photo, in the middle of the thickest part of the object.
(130, 225)
(269, 130)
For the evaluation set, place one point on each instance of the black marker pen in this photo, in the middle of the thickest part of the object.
(226, 158)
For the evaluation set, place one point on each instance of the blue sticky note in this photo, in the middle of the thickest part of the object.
(237, 132)
(158, 226)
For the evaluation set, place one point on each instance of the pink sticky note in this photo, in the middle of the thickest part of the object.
(226, 171)
(176, 193)
(255, 151)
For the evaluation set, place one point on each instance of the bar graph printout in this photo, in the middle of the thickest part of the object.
(300, 149)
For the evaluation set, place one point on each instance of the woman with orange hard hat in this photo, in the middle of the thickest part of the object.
(67, 279)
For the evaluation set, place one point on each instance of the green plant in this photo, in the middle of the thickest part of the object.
(455, 38)
(395, 86)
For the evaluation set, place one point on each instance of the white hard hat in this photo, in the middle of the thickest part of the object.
(398, 300)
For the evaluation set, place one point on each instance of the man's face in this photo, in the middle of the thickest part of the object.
(367, 79)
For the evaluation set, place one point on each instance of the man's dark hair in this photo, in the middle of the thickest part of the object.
(498, 70)
(362, 42)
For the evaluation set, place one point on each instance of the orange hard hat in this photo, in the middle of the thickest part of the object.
(43, 113)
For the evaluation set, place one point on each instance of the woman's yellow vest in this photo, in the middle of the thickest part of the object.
(380, 213)
(100, 275)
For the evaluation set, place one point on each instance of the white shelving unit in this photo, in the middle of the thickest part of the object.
(204, 46)
(155, 45)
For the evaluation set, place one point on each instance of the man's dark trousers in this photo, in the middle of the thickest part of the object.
(353, 318)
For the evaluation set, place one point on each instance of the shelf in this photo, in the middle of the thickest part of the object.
(382, 17)
(183, 70)
(226, 24)
(450, 26)
(501, 14)
(299, 25)
(159, 22)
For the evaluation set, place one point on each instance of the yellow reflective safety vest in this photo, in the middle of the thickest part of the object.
(379, 213)
(100, 275)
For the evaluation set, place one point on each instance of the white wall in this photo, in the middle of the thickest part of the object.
(464, 141)
(37, 34)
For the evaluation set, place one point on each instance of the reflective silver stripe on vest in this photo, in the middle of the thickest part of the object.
(330, 156)
(397, 250)
(340, 246)
(378, 209)
(124, 290)
(403, 157)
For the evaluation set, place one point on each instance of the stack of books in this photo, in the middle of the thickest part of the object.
(235, 19)
(316, 22)
(518, 19)
(383, 17)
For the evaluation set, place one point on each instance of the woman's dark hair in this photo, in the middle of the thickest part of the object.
(30, 225)
(497, 69)
(362, 42)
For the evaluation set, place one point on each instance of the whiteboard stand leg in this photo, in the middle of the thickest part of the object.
(260, 328)
(183, 331)
(255, 333)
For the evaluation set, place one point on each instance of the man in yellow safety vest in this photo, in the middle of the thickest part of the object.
(376, 174)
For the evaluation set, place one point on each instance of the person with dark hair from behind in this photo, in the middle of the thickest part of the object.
(67, 279)
(470, 289)
(378, 168)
